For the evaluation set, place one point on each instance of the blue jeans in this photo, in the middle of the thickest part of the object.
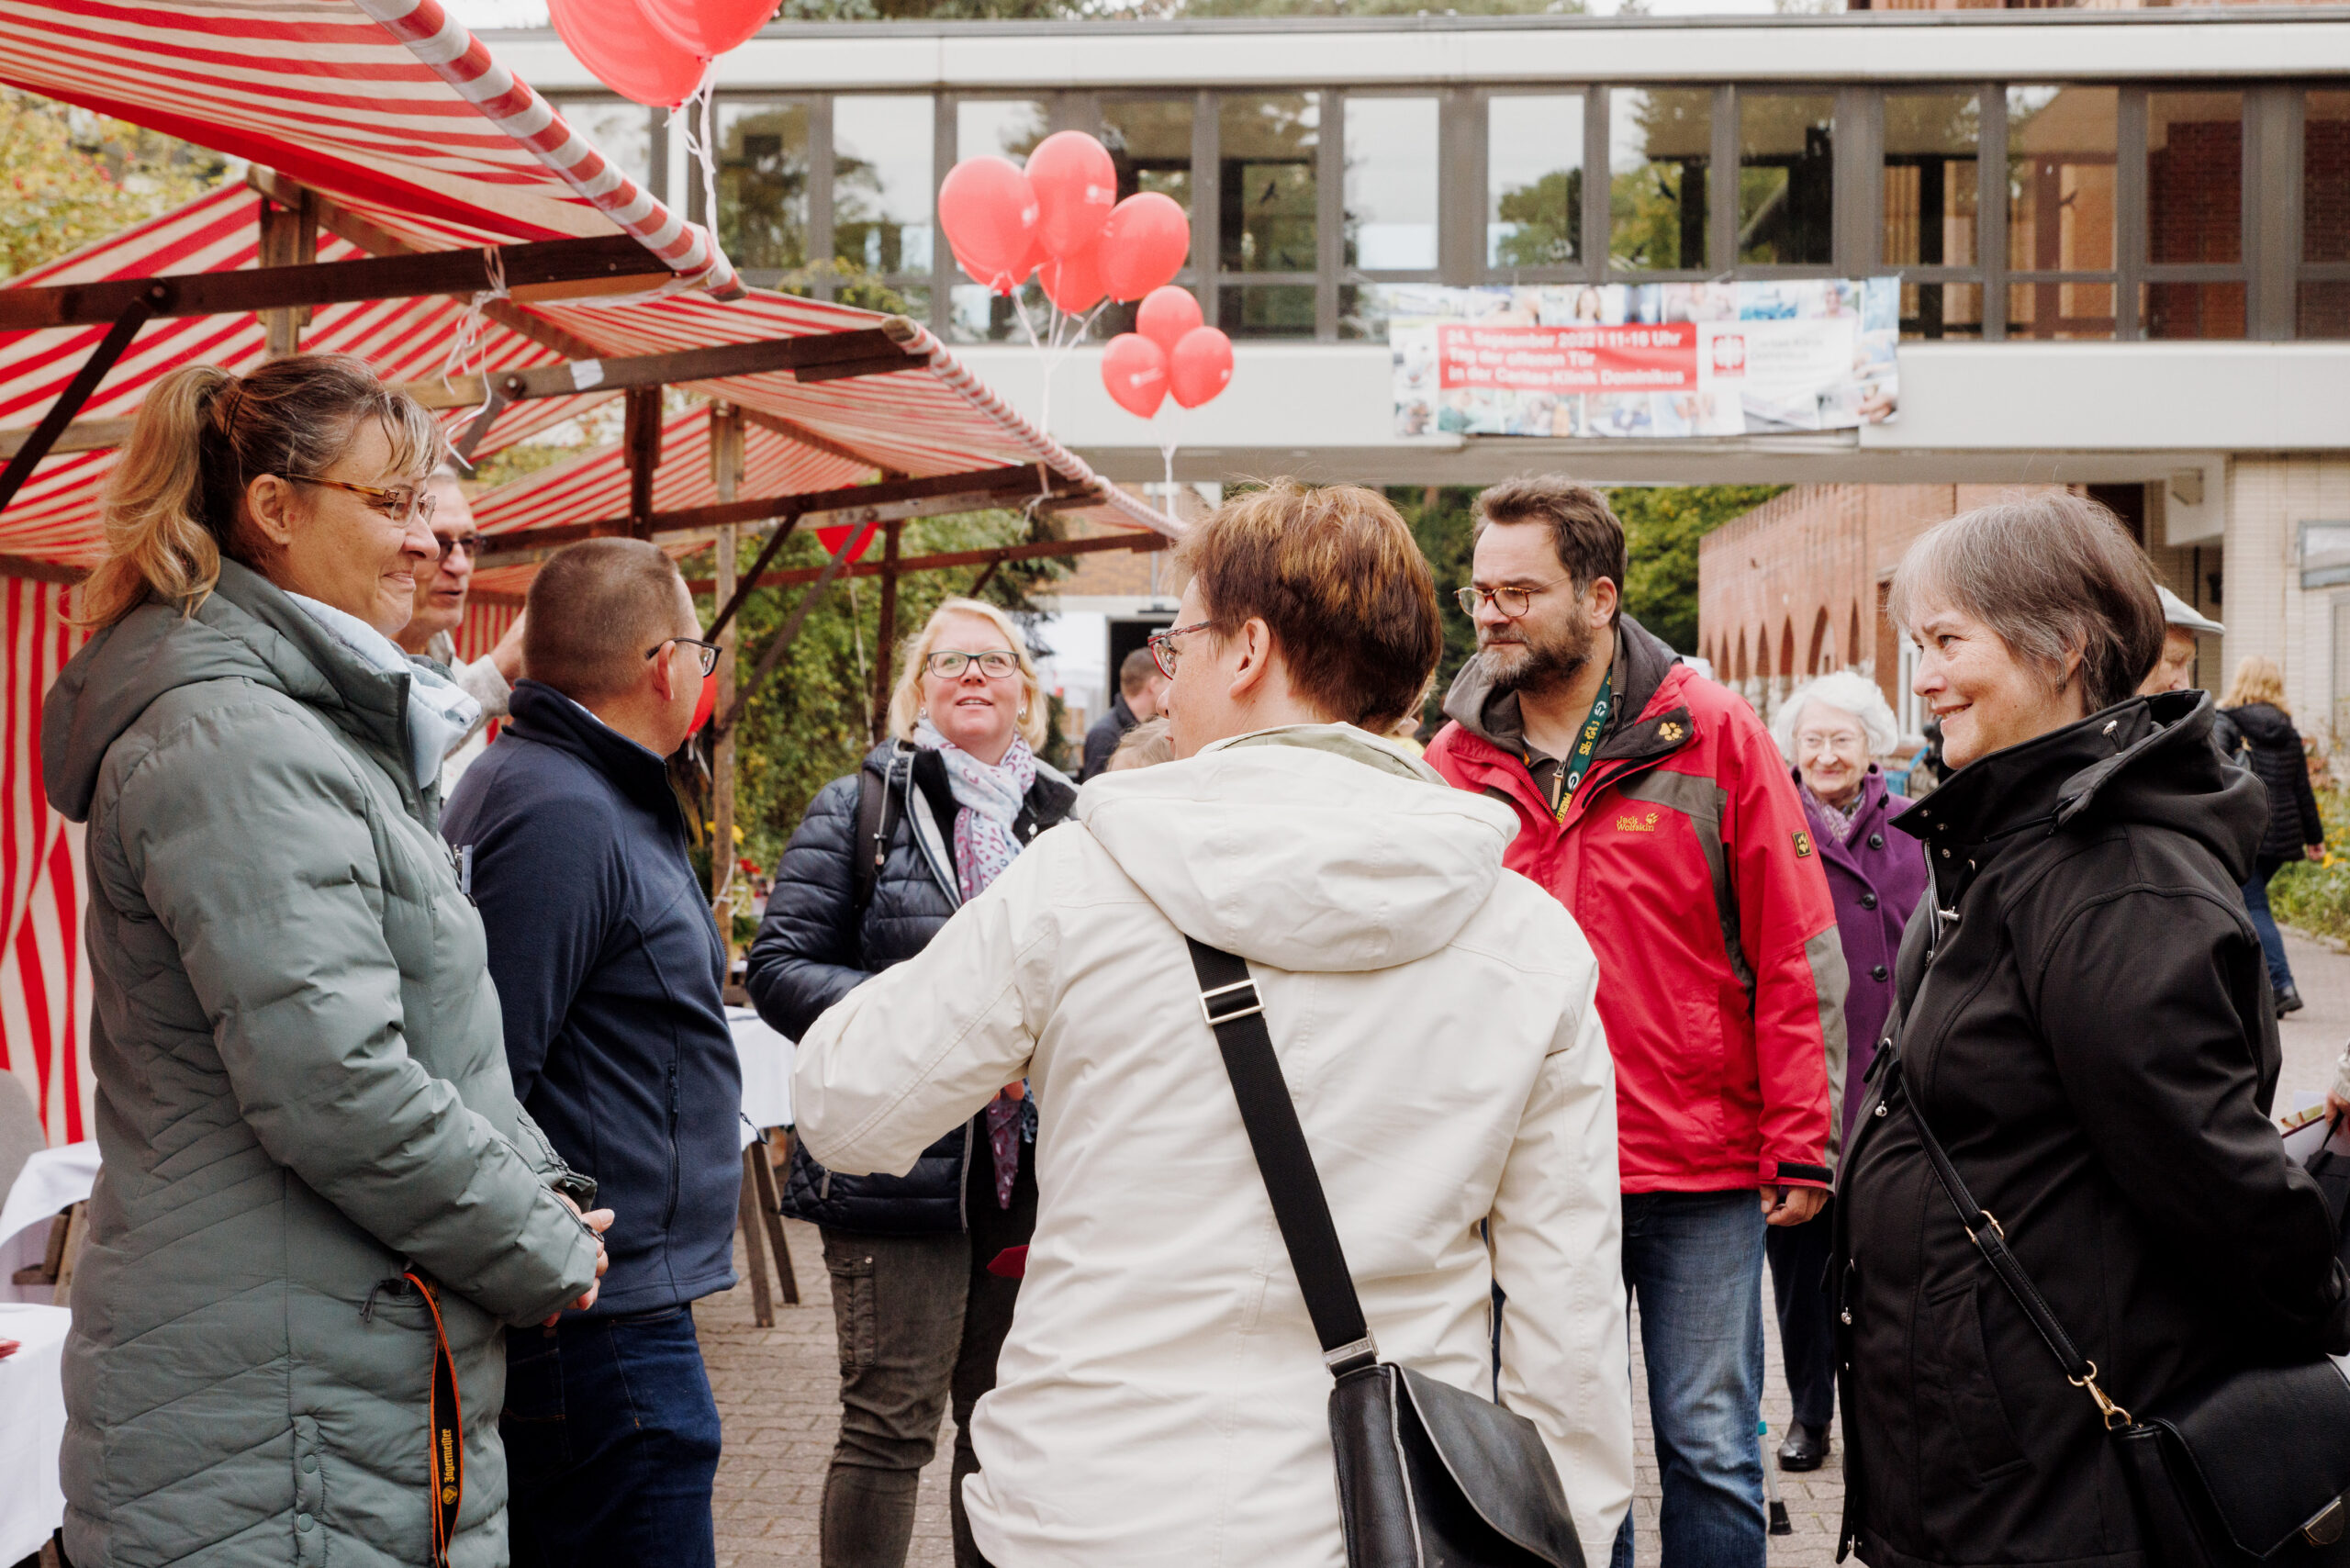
(1694, 1263)
(611, 1442)
(2272, 941)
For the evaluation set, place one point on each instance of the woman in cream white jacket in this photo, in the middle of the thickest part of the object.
(1160, 1399)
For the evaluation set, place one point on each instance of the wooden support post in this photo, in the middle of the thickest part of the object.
(726, 464)
(289, 238)
(641, 442)
(885, 634)
(754, 1237)
(771, 1209)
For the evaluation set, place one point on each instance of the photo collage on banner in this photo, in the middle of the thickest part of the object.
(1633, 361)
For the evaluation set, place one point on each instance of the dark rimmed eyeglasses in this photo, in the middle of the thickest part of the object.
(999, 664)
(401, 503)
(1512, 601)
(709, 651)
(1163, 650)
(451, 543)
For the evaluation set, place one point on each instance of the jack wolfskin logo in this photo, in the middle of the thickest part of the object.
(1668, 732)
(1630, 824)
(1802, 845)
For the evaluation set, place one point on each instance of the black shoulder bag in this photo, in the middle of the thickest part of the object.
(1429, 1475)
(2252, 1468)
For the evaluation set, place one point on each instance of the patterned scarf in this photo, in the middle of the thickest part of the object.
(988, 800)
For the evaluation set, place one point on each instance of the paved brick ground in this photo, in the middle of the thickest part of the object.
(776, 1386)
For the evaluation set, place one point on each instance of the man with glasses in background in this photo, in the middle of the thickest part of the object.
(441, 609)
(609, 971)
(1652, 803)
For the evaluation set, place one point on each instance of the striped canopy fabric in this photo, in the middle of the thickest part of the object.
(44, 979)
(388, 107)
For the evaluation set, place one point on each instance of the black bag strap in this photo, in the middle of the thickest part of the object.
(1991, 1238)
(1229, 1002)
(872, 845)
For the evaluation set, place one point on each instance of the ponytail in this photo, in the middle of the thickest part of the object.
(152, 512)
(172, 504)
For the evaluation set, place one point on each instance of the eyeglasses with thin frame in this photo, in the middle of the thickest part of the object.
(1163, 650)
(997, 664)
(1512, 601)
(709, 651)
(469, 542)
(401, 503)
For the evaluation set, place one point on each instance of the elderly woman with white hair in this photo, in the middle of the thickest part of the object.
(1828, 731)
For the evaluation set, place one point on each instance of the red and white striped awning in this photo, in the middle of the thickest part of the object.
(387, 107)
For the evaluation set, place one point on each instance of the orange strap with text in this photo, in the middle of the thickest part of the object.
(445, 1428)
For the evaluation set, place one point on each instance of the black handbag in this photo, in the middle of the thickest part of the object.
(2252, 1468)
(1429, 1475)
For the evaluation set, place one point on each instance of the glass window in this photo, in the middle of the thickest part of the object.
(1267, 147)
(1659, 143)
(1942, 309)
(2323, 311)
(1787, 178)
(2059, 179)
(1932, 146)
(2325, 177)
(2060, 310)
(763, 185)
(1150, 142)
(2193, 177)
(622, 132)
(1390, 190)
(882, 183)
(2192, 309)
(1266, 310)
(1009, 126)
(1533, 181)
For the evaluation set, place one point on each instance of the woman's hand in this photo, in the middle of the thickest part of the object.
(2312, 851)
(598, 1221)
(1791, 1205)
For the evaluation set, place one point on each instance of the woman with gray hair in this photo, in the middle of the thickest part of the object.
(2082, 1025)
(1829, 730)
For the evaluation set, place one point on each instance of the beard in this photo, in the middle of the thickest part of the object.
(1519, 657)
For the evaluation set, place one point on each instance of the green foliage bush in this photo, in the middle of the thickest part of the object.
(2315, 896)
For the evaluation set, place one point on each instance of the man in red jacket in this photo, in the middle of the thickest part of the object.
(1653, 805)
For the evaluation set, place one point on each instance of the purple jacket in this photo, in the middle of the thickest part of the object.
(1876, 878)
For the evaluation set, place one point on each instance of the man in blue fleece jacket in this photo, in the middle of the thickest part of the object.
(609, 969)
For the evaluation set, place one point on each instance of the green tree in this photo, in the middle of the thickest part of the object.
(69, 177)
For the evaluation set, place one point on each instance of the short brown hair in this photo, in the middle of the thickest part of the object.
(1586, 533)
(2050, 574)
(1336, 575)
(1136, 671)
(593, 611)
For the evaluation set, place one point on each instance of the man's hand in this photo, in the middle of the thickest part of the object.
(2312, 851)
(1791, 1205)
(598, 1221)
(508, 656)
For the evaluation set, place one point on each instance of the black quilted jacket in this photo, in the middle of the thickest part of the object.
(812, 950)
(2261, 738)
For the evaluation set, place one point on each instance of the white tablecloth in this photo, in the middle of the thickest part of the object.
(766, 1059)
(50, 1180)
(32, 1425)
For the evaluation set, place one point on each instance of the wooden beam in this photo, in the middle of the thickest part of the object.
(816, 356)
(41, 571)
(82, 435)
(289, 238)
(1141, 543)
(885, 632)
(102, 359)
(641, 449)
(550, 263)
(992, 482)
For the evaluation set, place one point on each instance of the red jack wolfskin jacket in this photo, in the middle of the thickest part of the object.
(1685, 857)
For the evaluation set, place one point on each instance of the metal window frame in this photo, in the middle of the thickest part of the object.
(1721, 199)
(820, 174)
(1476, 187)
(1839, 199)
(655, 182)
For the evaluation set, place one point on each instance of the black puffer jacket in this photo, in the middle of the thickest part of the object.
(2086, 1024)
(812, 949)
(2259, 735)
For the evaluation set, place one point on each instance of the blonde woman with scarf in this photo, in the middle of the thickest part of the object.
(925, 1266)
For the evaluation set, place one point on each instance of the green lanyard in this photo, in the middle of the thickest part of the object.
(1578, 763)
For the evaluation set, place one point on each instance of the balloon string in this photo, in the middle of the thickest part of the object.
(700, 147)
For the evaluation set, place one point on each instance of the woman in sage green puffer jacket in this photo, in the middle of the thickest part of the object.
(302, 1091)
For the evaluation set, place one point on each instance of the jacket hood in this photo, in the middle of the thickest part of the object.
(2147, 760)
(1642, 660)
(1310, 848)
(246, 629)
(2264, 724)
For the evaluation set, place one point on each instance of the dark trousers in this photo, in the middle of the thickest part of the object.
(1799, 1256)
(2264, 920)
(920, 1321)
(611, 1442)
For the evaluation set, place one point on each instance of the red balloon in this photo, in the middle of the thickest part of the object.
(989, 211)
(1073, 282)
(618, 42)
(1165, 315)
(1144, 242)
(1076, 187)
(1134, 369)
(708, 27)
(1200, 367)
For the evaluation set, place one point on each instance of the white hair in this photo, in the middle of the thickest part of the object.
(1847, 692)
